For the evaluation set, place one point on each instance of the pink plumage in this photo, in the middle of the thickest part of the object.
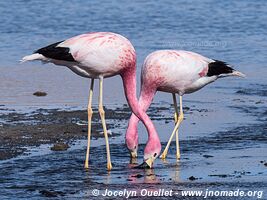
(177, 72)
(97, 56)
(94, 54)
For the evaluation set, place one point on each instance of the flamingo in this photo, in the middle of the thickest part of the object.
(176, 72)
(98, 55)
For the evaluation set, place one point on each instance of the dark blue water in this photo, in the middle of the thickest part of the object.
(233, 31)
(226, 30)
(237, 30)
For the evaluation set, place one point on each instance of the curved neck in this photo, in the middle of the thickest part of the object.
(129, 82)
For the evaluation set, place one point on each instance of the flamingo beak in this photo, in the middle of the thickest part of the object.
(147, 164)
(133, 153)
(239, 74)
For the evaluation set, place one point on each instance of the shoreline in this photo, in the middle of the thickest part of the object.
(49, 127)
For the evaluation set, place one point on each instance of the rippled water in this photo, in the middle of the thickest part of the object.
(233, 31)
(225, 30)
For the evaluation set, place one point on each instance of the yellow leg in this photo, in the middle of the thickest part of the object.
(90, 113)
(180, 119)
(102, 115)
(178, 155)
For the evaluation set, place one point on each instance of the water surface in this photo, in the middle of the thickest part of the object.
(226, 119)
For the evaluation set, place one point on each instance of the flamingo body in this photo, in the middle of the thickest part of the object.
(177, 72)
(97, 56)
(90, 55)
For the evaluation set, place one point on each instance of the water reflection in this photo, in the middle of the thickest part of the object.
(150, 177)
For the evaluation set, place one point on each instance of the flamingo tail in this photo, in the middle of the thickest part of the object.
(35, 56)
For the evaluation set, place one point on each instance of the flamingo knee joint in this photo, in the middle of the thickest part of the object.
(101, 111)
(90, 111)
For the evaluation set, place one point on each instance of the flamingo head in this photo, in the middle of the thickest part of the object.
(132, 141)
(152, 151)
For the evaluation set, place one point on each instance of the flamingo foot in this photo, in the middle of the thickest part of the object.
(109, 166)
(163, 155)
(86, 166)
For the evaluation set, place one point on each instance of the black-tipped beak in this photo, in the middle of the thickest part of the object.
(144, 165)
(133, 154)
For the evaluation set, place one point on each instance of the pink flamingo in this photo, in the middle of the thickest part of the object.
(174, 72)
(98, 56)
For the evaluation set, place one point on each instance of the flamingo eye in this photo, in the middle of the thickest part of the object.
(155, 154)
(135, 147)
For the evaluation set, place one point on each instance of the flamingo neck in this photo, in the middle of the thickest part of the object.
(129, 82)
(145, 99)
(131, 136)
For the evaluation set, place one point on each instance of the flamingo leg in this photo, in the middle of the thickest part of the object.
(90, 113)
(180, 119)
(102, 115)
(176, 115)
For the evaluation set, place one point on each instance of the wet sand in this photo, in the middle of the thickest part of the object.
(22, 130)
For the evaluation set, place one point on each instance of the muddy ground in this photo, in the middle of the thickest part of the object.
(20, 130)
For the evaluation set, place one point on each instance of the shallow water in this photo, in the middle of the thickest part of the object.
(62, 174)
(228, 159)
(230, 31)
(226, 119)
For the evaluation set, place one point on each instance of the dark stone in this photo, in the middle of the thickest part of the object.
(60, 147)
(138, 176)
(48, 193)
(220, 175)
(208, 156)
(192, 178)
(39, 94)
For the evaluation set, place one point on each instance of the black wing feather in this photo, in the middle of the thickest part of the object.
(55, 52)
(219, 67)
